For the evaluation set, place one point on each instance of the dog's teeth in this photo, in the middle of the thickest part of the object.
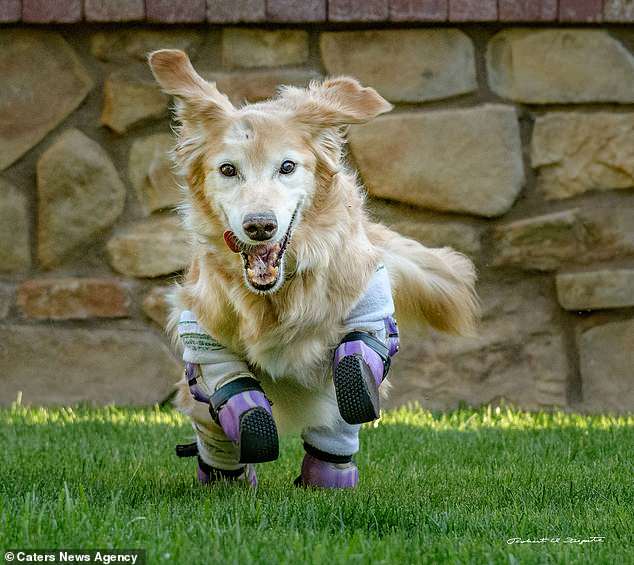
(274, 271)
(251, 273)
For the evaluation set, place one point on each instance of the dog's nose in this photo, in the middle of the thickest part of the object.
(260, 226)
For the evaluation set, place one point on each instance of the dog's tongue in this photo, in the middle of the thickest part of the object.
(231, 241)
(260, 261)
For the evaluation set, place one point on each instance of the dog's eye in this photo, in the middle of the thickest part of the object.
(228, 170)
(287, 167)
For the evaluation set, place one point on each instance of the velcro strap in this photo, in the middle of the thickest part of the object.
(218, 474)
(187, 450)
(373, 343)
(191, 373)
(323, 456)
(225, 392)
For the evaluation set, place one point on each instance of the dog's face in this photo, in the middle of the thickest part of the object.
(254, 170)
(259, 178)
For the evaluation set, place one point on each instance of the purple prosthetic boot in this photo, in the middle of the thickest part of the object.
(324, 470)
(244, 413)
(360, 364)
(208, 475)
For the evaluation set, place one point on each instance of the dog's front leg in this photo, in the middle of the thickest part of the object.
(241, 428)
(362, 359)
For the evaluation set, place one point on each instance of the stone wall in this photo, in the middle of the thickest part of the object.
(512, 144)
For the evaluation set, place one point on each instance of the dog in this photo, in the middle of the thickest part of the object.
(283, 250)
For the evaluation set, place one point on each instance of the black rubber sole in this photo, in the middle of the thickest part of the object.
(258, 437)
(356, 390)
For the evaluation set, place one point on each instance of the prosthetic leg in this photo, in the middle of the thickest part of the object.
(325, 470)
(208, 474)
(239, 429)
(329, 449)
(360, 364)
(244, 414)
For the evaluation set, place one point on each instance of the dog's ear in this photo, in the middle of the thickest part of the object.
(336, 102)
(350, 102)
(200, 99)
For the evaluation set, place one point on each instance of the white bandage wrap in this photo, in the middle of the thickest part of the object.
(374, 306)
(199, 346)
(340, 439)
(218, 364)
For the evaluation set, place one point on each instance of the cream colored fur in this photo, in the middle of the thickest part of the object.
(288, 336)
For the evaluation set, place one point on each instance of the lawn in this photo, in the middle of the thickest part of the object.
(434, 488)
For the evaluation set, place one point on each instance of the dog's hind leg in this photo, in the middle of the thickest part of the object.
(328, 459)
(221, 381)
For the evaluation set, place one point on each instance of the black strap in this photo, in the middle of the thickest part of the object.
(225, 392)
(373, 343)
(217, 474)
(187, 450)
(328, 457)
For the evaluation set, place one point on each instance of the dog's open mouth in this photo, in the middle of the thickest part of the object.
(264, 263)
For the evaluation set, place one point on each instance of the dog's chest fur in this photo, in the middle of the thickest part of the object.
(290, 334)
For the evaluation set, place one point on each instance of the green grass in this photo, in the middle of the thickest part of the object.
(434, 488)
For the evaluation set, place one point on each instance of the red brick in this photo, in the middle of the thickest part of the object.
(296, 10)
(172, 11)
(10, 10)
(527, 10)
(618, 11)
(580, 10)
(358, 10)
(418, 10)
(46, 11)
(235, 11)
(72, 299)
(473, 10)
(114, 10)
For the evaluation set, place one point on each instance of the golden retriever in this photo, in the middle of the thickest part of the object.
(283, 315)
